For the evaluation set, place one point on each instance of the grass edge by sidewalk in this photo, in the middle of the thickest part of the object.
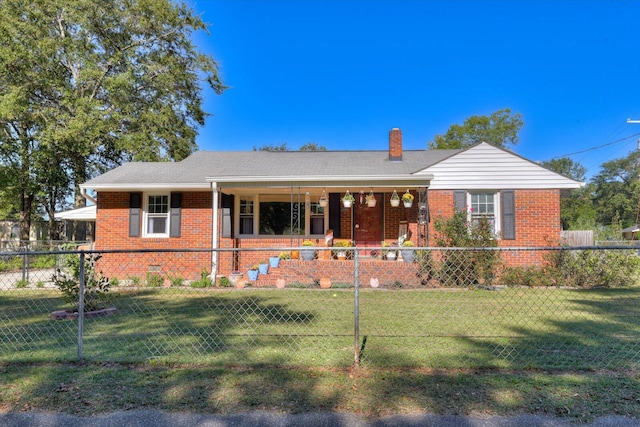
(86, 389)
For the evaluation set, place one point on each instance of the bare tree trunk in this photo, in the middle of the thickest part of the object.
(25, 215)
(80, 173)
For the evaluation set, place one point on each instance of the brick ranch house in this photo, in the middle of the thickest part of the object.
(259, 199)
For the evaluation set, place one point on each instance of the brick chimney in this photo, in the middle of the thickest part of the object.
(395, 144)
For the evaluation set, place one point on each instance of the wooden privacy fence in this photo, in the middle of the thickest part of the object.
(577, 237)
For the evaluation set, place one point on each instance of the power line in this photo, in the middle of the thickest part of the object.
(597, 147)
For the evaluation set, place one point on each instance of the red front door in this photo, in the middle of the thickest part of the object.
(367, 222)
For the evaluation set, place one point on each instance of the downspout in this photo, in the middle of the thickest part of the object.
(214, 232)
(83, 193)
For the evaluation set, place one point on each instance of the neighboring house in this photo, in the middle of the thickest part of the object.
(78, 224)
(250, 199)
(631, 233)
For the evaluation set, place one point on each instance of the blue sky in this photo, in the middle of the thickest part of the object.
(343, 73)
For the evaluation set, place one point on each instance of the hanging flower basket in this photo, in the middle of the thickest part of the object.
(348, 199)
(323, 200)
(371, 200)
(395, 199)
(407, 199)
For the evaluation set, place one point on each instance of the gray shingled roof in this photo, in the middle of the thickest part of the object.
(203, 164)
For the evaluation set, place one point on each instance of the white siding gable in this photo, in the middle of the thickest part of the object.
(486, 167)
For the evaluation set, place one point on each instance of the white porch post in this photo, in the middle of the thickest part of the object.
(214, 231)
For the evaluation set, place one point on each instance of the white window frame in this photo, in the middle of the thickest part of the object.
(254, 215)
(496, 209)
(146, 215)
(304, 222)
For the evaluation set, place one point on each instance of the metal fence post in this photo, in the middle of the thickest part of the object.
(81, 306)
(356, 308)
(25, 264)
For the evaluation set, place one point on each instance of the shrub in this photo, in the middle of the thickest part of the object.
(530, 275)
(201, 283)
(467, 267)
(154, 280)
(96, 285)
(204, 281)
(595, 268)
(176, 280)
(22, 283)
(225, 282)
(427, 269)
(43, 261)
(11, 263)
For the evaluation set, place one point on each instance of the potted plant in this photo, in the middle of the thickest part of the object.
(389, 254)
(407, 251)
(235, 276)
(284, 255)
(252, 274)
(263, 267)
(348, 199)
(341, 254)
(395, 199)
(308, 254)
(407, 199)
(323, 200)
(371, 200)
(274, 261)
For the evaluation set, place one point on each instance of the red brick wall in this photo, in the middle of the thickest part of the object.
(537, 221)
(537, 224)
(537, 215)
(112, 233)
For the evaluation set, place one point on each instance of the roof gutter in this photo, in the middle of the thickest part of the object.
(154, 186)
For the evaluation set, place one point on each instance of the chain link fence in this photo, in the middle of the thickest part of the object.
(516, 308)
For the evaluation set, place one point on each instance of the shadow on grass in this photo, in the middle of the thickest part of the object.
(207, 327)
(603, 333)
(244, 331)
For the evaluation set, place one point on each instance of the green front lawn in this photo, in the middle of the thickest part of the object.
(512, 328)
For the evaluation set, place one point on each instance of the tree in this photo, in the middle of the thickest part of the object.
(576, 209)
(272, 147)
(312, 146)
(309, 146)
(94, 84)
(567, 167)
(499, 129)
(617, 190)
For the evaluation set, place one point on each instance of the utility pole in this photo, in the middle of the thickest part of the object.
(638, 209)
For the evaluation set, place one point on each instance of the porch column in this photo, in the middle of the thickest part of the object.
(214, 231)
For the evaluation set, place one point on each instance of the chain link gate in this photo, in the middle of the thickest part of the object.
(444, 309)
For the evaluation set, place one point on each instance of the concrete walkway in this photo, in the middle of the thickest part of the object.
(265, 419)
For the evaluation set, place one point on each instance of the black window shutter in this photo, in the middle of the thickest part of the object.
(175, 214)
(135, 203)
(508, 204)
(334, 214)
(460, 200)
